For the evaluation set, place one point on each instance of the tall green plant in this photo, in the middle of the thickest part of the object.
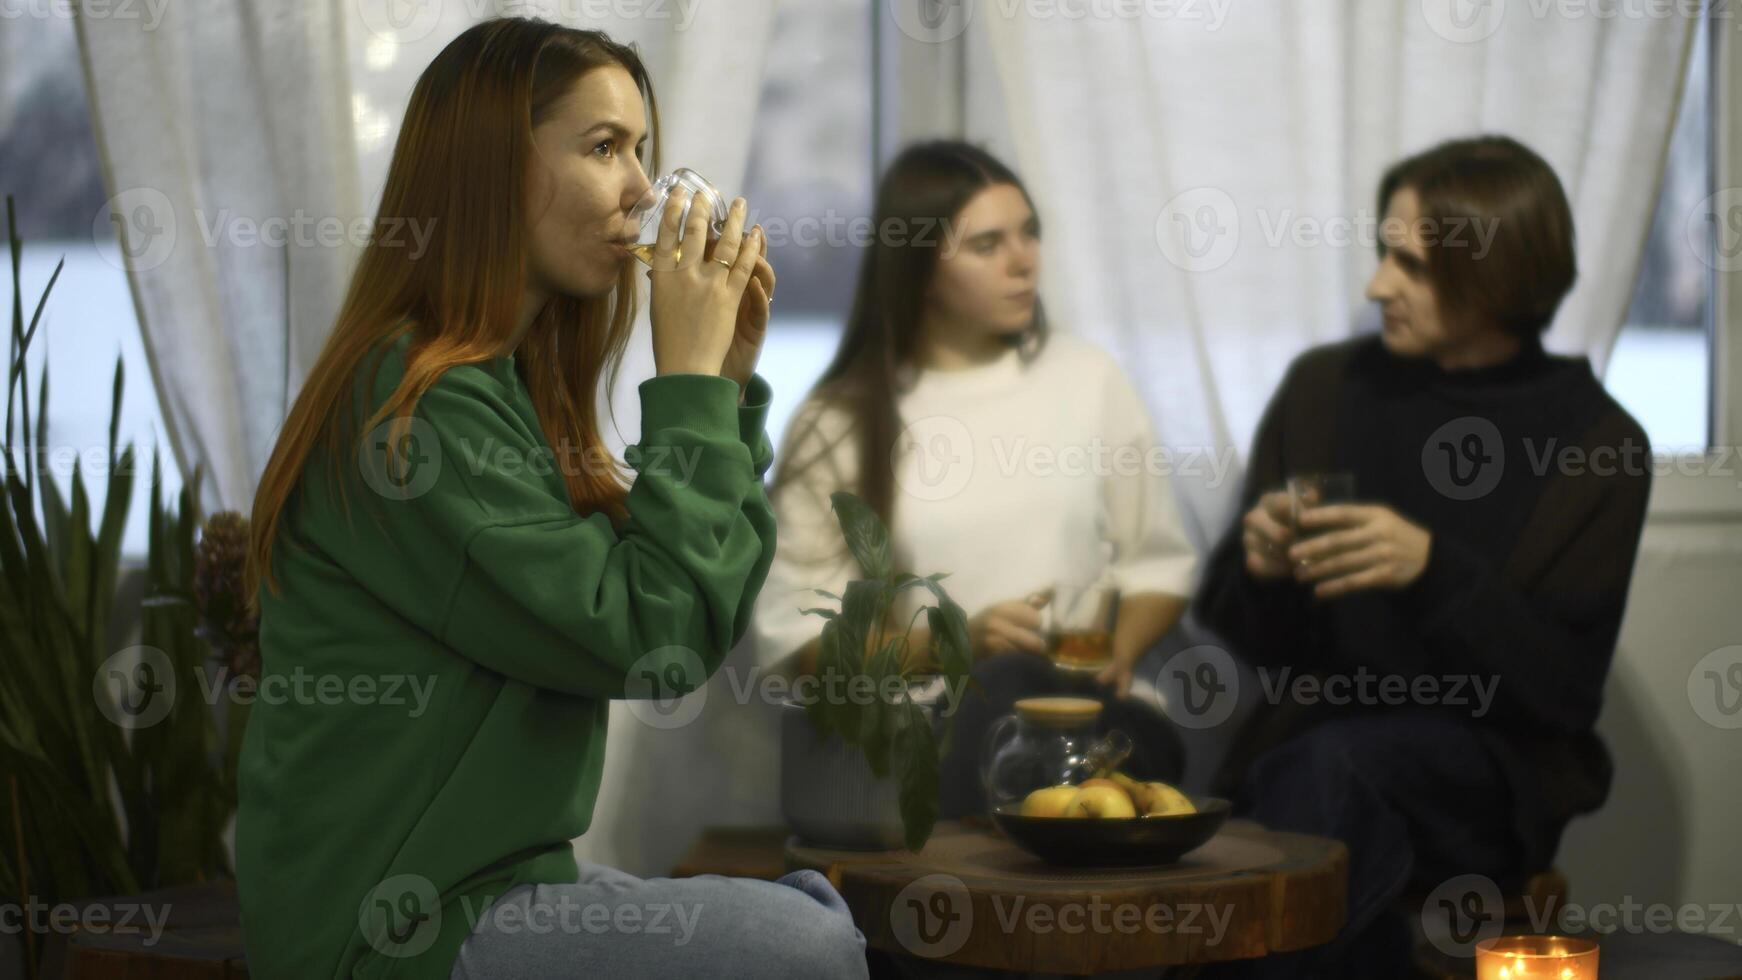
(70, 727)
(859, 652)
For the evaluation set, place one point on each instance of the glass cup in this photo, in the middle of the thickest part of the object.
(1309, 490)
(648, 211)
(1078, 623)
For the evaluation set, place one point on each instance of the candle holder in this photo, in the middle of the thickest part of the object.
(1536, 958)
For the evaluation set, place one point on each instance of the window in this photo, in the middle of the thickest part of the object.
(89, 320)
(808, 180)
(1661, 368)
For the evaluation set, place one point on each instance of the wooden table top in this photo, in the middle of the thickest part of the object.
(972, 897)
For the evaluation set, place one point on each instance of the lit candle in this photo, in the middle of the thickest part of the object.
(1536, 958)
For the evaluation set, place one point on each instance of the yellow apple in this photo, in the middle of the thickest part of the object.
(1112, 784)
(1101, 801)
(1049, 801)
(1165, 801)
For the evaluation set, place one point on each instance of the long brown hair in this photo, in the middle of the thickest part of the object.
(926, 187)
(460, 164)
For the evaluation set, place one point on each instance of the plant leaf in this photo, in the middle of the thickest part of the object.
(867, 537)
(916, 764)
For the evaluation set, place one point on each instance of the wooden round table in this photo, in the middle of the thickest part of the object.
(973, 898)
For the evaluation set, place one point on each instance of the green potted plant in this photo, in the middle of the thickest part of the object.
(860, 745)
(95, 801)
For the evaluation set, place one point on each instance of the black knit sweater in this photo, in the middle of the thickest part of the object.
(1533, 483)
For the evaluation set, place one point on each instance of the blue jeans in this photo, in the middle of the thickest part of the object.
(613, 924)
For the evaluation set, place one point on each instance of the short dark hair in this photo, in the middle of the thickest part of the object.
(1520, 278)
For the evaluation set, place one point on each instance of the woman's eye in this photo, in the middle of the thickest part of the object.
(605, 145)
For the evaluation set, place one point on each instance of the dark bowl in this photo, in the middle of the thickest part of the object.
(1094, 842)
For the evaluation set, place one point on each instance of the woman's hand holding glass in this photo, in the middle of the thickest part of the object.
(697, 298)
(752, 326)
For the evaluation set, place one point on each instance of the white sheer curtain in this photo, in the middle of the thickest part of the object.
(1207, 178)
(225, 134)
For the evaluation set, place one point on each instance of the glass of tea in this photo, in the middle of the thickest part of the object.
(1078, 623)
(1309, 490)
(647, 211)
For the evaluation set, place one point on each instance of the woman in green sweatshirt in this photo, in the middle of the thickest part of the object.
(454, 576)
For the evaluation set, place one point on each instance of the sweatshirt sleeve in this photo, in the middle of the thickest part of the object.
(1549, 646)
(1150, 552)
(500, 568)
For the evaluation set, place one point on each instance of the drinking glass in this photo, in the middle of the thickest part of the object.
(1078, 624)
(1314, 490)
(647, 211)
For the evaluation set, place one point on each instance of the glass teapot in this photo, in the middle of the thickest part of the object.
(1048, 741)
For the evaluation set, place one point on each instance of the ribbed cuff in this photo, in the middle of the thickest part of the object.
(704, 403)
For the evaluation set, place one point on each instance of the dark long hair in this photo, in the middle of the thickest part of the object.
(922, 192)
(461, 164)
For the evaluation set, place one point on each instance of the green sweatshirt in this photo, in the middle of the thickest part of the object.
(430, 725)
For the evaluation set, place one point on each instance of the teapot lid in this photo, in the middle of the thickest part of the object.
(1058, 710)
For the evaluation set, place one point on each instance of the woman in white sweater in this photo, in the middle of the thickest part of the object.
(1013, 460)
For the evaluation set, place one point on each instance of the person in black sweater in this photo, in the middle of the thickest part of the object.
(1500, 497)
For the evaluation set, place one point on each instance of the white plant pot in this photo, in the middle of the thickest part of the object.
(828, 794)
